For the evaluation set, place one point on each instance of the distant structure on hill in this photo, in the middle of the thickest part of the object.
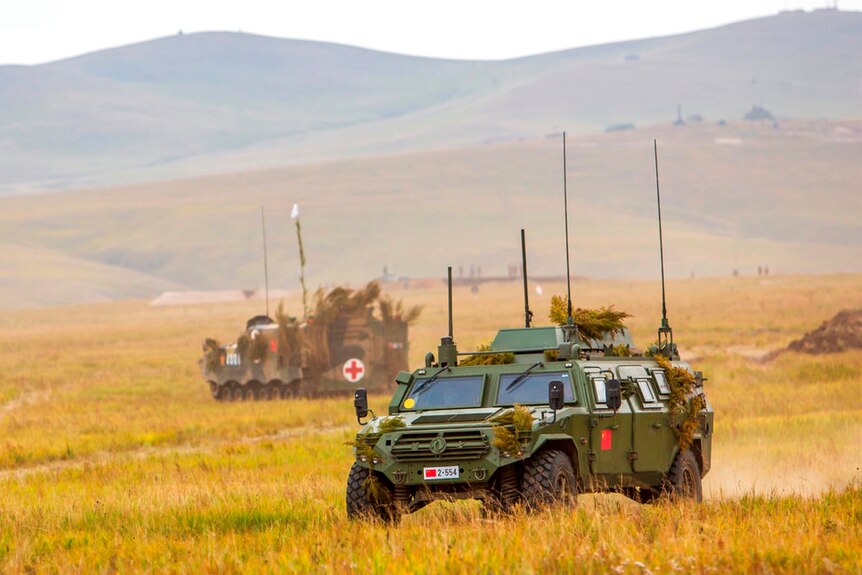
(758, 113)
(679, 121)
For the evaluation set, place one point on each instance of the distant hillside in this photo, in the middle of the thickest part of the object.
(737, 196)
(199, 103)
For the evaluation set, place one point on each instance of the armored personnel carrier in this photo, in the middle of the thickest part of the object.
(543, 414)
(350, 337)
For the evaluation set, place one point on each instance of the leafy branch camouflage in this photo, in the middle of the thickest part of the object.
(592, 323)
(684, 405)
(488, 359)
(512, 424)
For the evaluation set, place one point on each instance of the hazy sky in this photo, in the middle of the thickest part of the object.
(35, 31)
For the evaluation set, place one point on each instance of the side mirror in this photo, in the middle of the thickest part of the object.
(360, 404)
(555, 395)
(613, 394)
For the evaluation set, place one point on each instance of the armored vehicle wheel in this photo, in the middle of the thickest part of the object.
(504, 493)
(363, 501)
(549, 479)
(229, 392)
(215, 391)
(255, 391)
(683, 480)
(269, 391)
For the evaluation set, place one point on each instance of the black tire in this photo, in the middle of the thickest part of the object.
(549, 479)
(504, 493)
(361, 504)
(683, 479)
(229, 393)
(256, 392)
(215, 391)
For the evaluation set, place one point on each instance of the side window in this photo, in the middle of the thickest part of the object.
(598, 380)
(599, 385)
(661, 381)
(650, 401)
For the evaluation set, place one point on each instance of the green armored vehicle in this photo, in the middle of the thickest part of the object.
(351, 336)
(563, 417)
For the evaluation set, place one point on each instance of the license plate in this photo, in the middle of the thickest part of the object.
(451, 472)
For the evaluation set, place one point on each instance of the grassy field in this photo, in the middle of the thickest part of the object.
(113, 458)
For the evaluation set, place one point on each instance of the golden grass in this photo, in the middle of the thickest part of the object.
(113, 457)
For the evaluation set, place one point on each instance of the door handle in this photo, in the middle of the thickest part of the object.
(656, 425)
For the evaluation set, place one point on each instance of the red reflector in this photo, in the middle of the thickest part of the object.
(273, 346)
(607, 439)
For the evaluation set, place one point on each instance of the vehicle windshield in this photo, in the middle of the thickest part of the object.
(533, 389)
(445, 393)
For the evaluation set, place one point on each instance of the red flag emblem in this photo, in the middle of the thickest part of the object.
(607, 439)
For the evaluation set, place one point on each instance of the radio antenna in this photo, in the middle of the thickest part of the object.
(665, 333)
(528, 315)
(265, 265)
(449, 282)
(570, 322)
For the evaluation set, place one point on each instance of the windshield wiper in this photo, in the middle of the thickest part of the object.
(521, 377)
(424, 385)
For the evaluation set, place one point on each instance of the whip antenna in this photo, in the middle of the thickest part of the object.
(664, 332)
(265, 265)
(570, 322)
(449, 283)
(528, 315)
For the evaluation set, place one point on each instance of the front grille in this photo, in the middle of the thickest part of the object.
(460, 444)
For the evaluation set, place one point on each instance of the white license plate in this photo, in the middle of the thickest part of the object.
(432, 473)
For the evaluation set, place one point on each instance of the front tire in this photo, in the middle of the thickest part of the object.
(369, 497)
(549, 479)
(504, 493)
(683, 480)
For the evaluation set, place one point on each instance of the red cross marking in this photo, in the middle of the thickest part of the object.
(353, 370)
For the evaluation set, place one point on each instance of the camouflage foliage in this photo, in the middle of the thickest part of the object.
(684, 405)
(391, 424)
(212, 354)
(488, 359)
(592, 323)
(290, 340)
(512, 424)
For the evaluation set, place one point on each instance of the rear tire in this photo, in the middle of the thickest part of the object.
(362, 502)
(549, 479)
(683, 480)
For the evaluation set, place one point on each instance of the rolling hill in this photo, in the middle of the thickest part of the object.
(735, 196)
(217, 102)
